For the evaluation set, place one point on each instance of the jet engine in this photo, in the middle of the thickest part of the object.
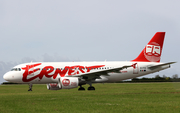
(64, 83)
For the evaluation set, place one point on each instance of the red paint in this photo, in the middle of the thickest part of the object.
(152, 52)
(134, 65)
(66, 82)
(53, 85)
(60, 72)
(123, 71)
(69, 70)
(73, 83)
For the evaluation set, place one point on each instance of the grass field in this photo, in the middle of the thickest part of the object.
(107, 98)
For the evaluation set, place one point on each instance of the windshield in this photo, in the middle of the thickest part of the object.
(16, 69)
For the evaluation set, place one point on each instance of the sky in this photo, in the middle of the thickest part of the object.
(79, 30)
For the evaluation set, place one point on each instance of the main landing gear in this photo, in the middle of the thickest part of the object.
(30, 87)
(81, 88)
(89, 88)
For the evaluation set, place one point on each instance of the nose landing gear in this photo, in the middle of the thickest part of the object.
(30, 87)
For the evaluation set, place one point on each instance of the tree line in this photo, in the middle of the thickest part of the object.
(158, 78)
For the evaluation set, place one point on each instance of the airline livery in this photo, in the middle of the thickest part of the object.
(67, 75)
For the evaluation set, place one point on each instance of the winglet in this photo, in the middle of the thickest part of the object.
(152, 51)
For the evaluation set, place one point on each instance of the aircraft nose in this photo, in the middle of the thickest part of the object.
(6, 76)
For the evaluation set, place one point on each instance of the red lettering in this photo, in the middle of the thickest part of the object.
(46, 70)
(61, 72)
(72, 70)
(27, 72)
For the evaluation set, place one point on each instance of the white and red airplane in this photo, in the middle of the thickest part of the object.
(67, 75)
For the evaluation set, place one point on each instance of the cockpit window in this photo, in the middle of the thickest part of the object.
(16, 69)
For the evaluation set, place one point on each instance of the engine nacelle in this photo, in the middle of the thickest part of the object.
(64, 83)
(53, 86)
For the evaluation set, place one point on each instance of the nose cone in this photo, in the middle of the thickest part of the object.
(6, 76)
(12, 76)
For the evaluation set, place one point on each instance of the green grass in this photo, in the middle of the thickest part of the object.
(107, 98)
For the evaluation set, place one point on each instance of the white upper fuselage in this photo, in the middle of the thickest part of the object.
(49, 72)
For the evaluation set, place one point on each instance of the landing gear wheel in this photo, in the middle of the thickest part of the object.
(81, 89)
(30, 90)
(91, 88)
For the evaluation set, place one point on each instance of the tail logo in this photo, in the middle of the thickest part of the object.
(152, 52)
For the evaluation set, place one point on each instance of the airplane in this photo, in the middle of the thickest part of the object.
(68, 75)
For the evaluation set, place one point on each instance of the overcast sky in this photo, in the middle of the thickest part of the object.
(79, 30)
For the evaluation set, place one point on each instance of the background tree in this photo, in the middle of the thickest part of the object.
(175, 76)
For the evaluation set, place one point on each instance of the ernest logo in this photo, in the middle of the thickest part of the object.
(65, 82)
(152, 52)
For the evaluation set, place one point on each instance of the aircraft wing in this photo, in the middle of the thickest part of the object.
(157, 66)
(96, 74)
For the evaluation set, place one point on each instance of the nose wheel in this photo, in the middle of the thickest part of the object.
(30, 87)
